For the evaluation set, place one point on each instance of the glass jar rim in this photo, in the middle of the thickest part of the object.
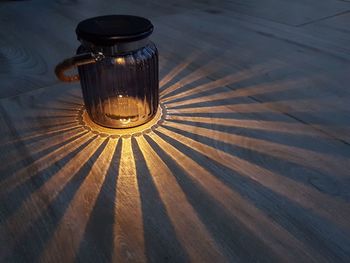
(118, 49)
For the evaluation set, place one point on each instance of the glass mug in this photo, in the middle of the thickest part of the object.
(118, 70)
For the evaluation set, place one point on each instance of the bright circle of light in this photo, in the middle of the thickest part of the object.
(88, 124)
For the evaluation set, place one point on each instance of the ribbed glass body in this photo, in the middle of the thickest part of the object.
(121, 90)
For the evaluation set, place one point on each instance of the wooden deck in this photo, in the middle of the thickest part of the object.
(248, 162)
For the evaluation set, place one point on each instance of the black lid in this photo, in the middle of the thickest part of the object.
(112, 29)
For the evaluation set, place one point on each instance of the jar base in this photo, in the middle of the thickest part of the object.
(104, 131)
(121, 112)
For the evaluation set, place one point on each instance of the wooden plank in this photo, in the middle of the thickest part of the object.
(247, 165)
(334, 28)
(72, 166)
(301, 72)
(292, 13)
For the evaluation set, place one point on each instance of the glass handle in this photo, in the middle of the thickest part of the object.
(78, 60)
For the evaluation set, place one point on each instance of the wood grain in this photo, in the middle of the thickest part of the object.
(249, 163)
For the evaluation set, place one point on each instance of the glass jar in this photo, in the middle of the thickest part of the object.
(118, 70)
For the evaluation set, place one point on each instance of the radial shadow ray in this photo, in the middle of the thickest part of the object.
(35, 205)
(161, 243)
(224, 81)
(299, 193)
(74, 98)
(175, 71)
(320, 161)
(44, 227)
(189, 229)
(40, 146)
(57, 109)
(281, 131)
(69, 103)
(128, 227)
(104, 211)
(237, 93)
(281, 106)
(47, 158)
(53, 125)
(34, 167)
(56, 118)
(39, 135)
(79, 210)
(300, 106)
(273, 126)
(302, 223)
(239, 212)
(198, 74)
(34, 130)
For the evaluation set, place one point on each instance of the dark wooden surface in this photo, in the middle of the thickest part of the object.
(250, 161)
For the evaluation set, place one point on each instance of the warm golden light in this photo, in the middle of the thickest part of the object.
(44, 134)
(128, 226)
(120, 60)
(78, 213)
(190, 231)
(224, 81)
(48, 140)
(176, 70)
(115, 133)
(293, 190)
(241, 92)
(273, 126)
(200, 73)
(24, 174)
(36, 205)
(278, 107)
(206, 173)
(308, 158)
(231, 201)
(125, 109)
